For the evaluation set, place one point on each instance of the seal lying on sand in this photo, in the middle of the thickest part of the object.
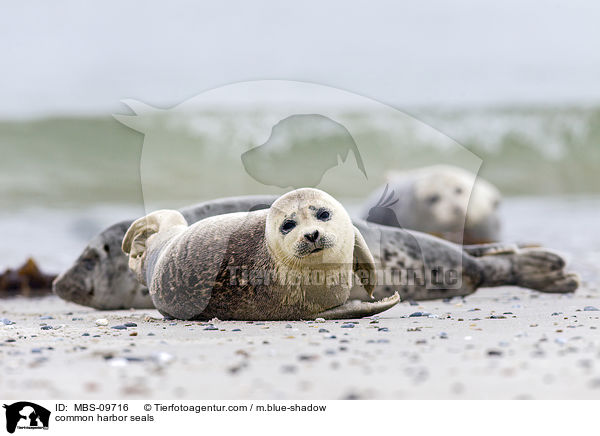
(439, 200)
(196, 272)
(101, 278)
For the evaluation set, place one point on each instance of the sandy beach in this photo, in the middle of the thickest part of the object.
(503, 343)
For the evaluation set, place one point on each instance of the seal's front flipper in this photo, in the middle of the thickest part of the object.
(495, 248)
(357, 309)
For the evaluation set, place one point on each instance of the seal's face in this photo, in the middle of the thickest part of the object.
(443, 199)
(308, 226)
(450, 200)
(100, 267)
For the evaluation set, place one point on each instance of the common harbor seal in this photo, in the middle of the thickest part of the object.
(301, 255)
(101, 278)
(441, 200)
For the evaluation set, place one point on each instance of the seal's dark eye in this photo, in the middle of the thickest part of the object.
(287, 226)
(432, 199)
(323, 214)
(458, 190)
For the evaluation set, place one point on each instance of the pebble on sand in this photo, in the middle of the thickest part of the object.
(416, 314)
(102, 322)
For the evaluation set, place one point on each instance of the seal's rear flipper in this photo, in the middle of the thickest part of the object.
(534, 268)
(357, 309)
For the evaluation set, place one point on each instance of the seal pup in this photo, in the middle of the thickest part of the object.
(301, 255)
(103, 280)
(441, 200)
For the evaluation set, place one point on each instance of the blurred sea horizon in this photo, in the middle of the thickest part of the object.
(76, 161)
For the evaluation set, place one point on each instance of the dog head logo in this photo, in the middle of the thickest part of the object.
(26, 415)
(299, 152)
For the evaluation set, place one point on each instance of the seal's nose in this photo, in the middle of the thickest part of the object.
(312, 237)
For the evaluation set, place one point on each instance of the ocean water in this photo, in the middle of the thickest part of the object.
(62, 180)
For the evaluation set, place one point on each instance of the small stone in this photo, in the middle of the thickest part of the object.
(414, 303)
(11, 340)
(76, 319)
(133, 334)
(590, 308)
(118, 362)
(46, 327)
(36, 350)
(323, 331)
(236, 330)
(288, 326)
(102, 322)
(494, 353)
(320, 320)
(443, 335)
(308, 357)
(130, 324)
(416, 314)
(119, 327)
(6, 321)
(383, 329)
(348, 326)
(289, 369)
(211, 327)
(46, 317)
(85, 334)
(150, 334)
(162, 357)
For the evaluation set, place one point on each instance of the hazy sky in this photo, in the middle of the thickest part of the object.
(78, 56)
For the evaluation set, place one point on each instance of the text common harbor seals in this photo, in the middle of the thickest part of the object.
(442, 200)
(194, 272)
(101, 278)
